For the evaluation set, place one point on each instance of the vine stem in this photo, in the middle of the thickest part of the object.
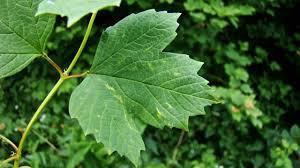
(34, 118)
(53, 91)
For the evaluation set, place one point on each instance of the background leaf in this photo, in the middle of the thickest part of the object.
(74, 9)
(23, 36)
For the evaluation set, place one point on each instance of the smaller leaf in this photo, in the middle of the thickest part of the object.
(295, 131)
(74, 9)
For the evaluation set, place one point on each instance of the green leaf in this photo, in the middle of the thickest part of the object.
(22, 35)
(80, 151)
(133, 81)
(74, 9)
(295, 131)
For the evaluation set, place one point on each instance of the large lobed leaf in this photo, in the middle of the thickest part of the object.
(133, 81)
(22, 35)
(74, 9)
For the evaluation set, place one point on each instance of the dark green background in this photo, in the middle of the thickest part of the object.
(251, 51)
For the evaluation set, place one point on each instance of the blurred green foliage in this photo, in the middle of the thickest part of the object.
(251, 51)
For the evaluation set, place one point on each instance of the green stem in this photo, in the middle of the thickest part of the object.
(53, 91)
(45, 139)
(84, 41)
(9, 142)
(7, 161)
(177, 145)
(34, 118)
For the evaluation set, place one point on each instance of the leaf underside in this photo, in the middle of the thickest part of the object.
(132, 81)
(74, 9)
(22, 35)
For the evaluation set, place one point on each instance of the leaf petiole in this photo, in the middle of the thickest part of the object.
(57, 67)
(76, 75)
(84, 41)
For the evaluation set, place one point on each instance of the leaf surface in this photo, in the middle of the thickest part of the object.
(74, 9)
(132, 81)
(22, 35)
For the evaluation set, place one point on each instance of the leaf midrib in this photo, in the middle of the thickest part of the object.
(150, 84)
